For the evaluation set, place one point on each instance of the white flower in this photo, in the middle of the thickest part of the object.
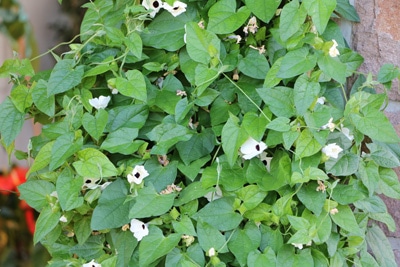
(298, 245)
(211, 252)
(137, 175)
(91, 183)
(238, 38)
(215, 194)
(321, 100)
(153, 5)
(252, 148)
(333, 51)
(91, 264)
(266, 160)
(346, 132)
(139, 229)
(251, 26)
(100, 102)
(176, 9)
(334, 211)
(54, 194)
(332, 150)
(330, 125)
(63, 219)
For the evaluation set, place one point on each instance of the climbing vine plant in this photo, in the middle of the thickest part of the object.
(207, 133)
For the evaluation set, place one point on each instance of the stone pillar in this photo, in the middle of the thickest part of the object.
(41, 14)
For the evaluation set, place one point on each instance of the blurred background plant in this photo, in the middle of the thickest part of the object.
(17, 219)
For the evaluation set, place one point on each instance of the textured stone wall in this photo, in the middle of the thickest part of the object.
(377, 39)
(377, 36)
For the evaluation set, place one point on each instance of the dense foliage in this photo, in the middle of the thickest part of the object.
(207, 133)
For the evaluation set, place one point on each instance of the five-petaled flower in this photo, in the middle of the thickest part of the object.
(252, 148)
(153, 5)
(137, 175)
(100, 103)
(92, 263)
(176, 9)
(139, 229)
(332, 150)
(333, 51)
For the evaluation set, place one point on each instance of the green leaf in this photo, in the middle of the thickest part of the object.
(346, 220)
(347, 10)
(296, 62)
(191, 192)
(125, 243)
(112, 209)
(383, 156)
(192, 257)
(93, 248)
(131, 116)
(250, 196)
(134, 43)
(159, 176)
(82, 229)
(243, 241)
(122, 141)
(311, 198)
(333, 68)
(64, 147)
(149, 203)
(264, 10)
(200, 145)
(292, 18)
(254, 65)
(220, 213)
(352, 59)
(166, 32)
(64, 77)
(372, 204)
(279, 100)
(47, 221)
(155, 245)
(184, 225)
(389, 183)
(307, 145)
(255, 258)
(201, 45)
(343, 166)
(347, 194)
(69, 189)
(380, 246)
(36, 193)
(39, 96)
(271, 79)
(376, 125)
(368, 173)
(320, 12)
(21, 97)
(204, 76)
(270, 239)
(42, 159)
(166, 135)
(92, 163)
(96, 124)
(305, 93)
(11, 121)
(255, 125)
(388, 72)
(133, 85)
(224, 18)
(210, 237)
(232, 138)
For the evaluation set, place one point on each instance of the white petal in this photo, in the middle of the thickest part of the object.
(137, 175)
(99, 103)
(176, 9)
(252, 148)
(332, 150)
(92, 263)
(139, 229)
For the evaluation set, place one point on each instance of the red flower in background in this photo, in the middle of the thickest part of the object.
(9, 184)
